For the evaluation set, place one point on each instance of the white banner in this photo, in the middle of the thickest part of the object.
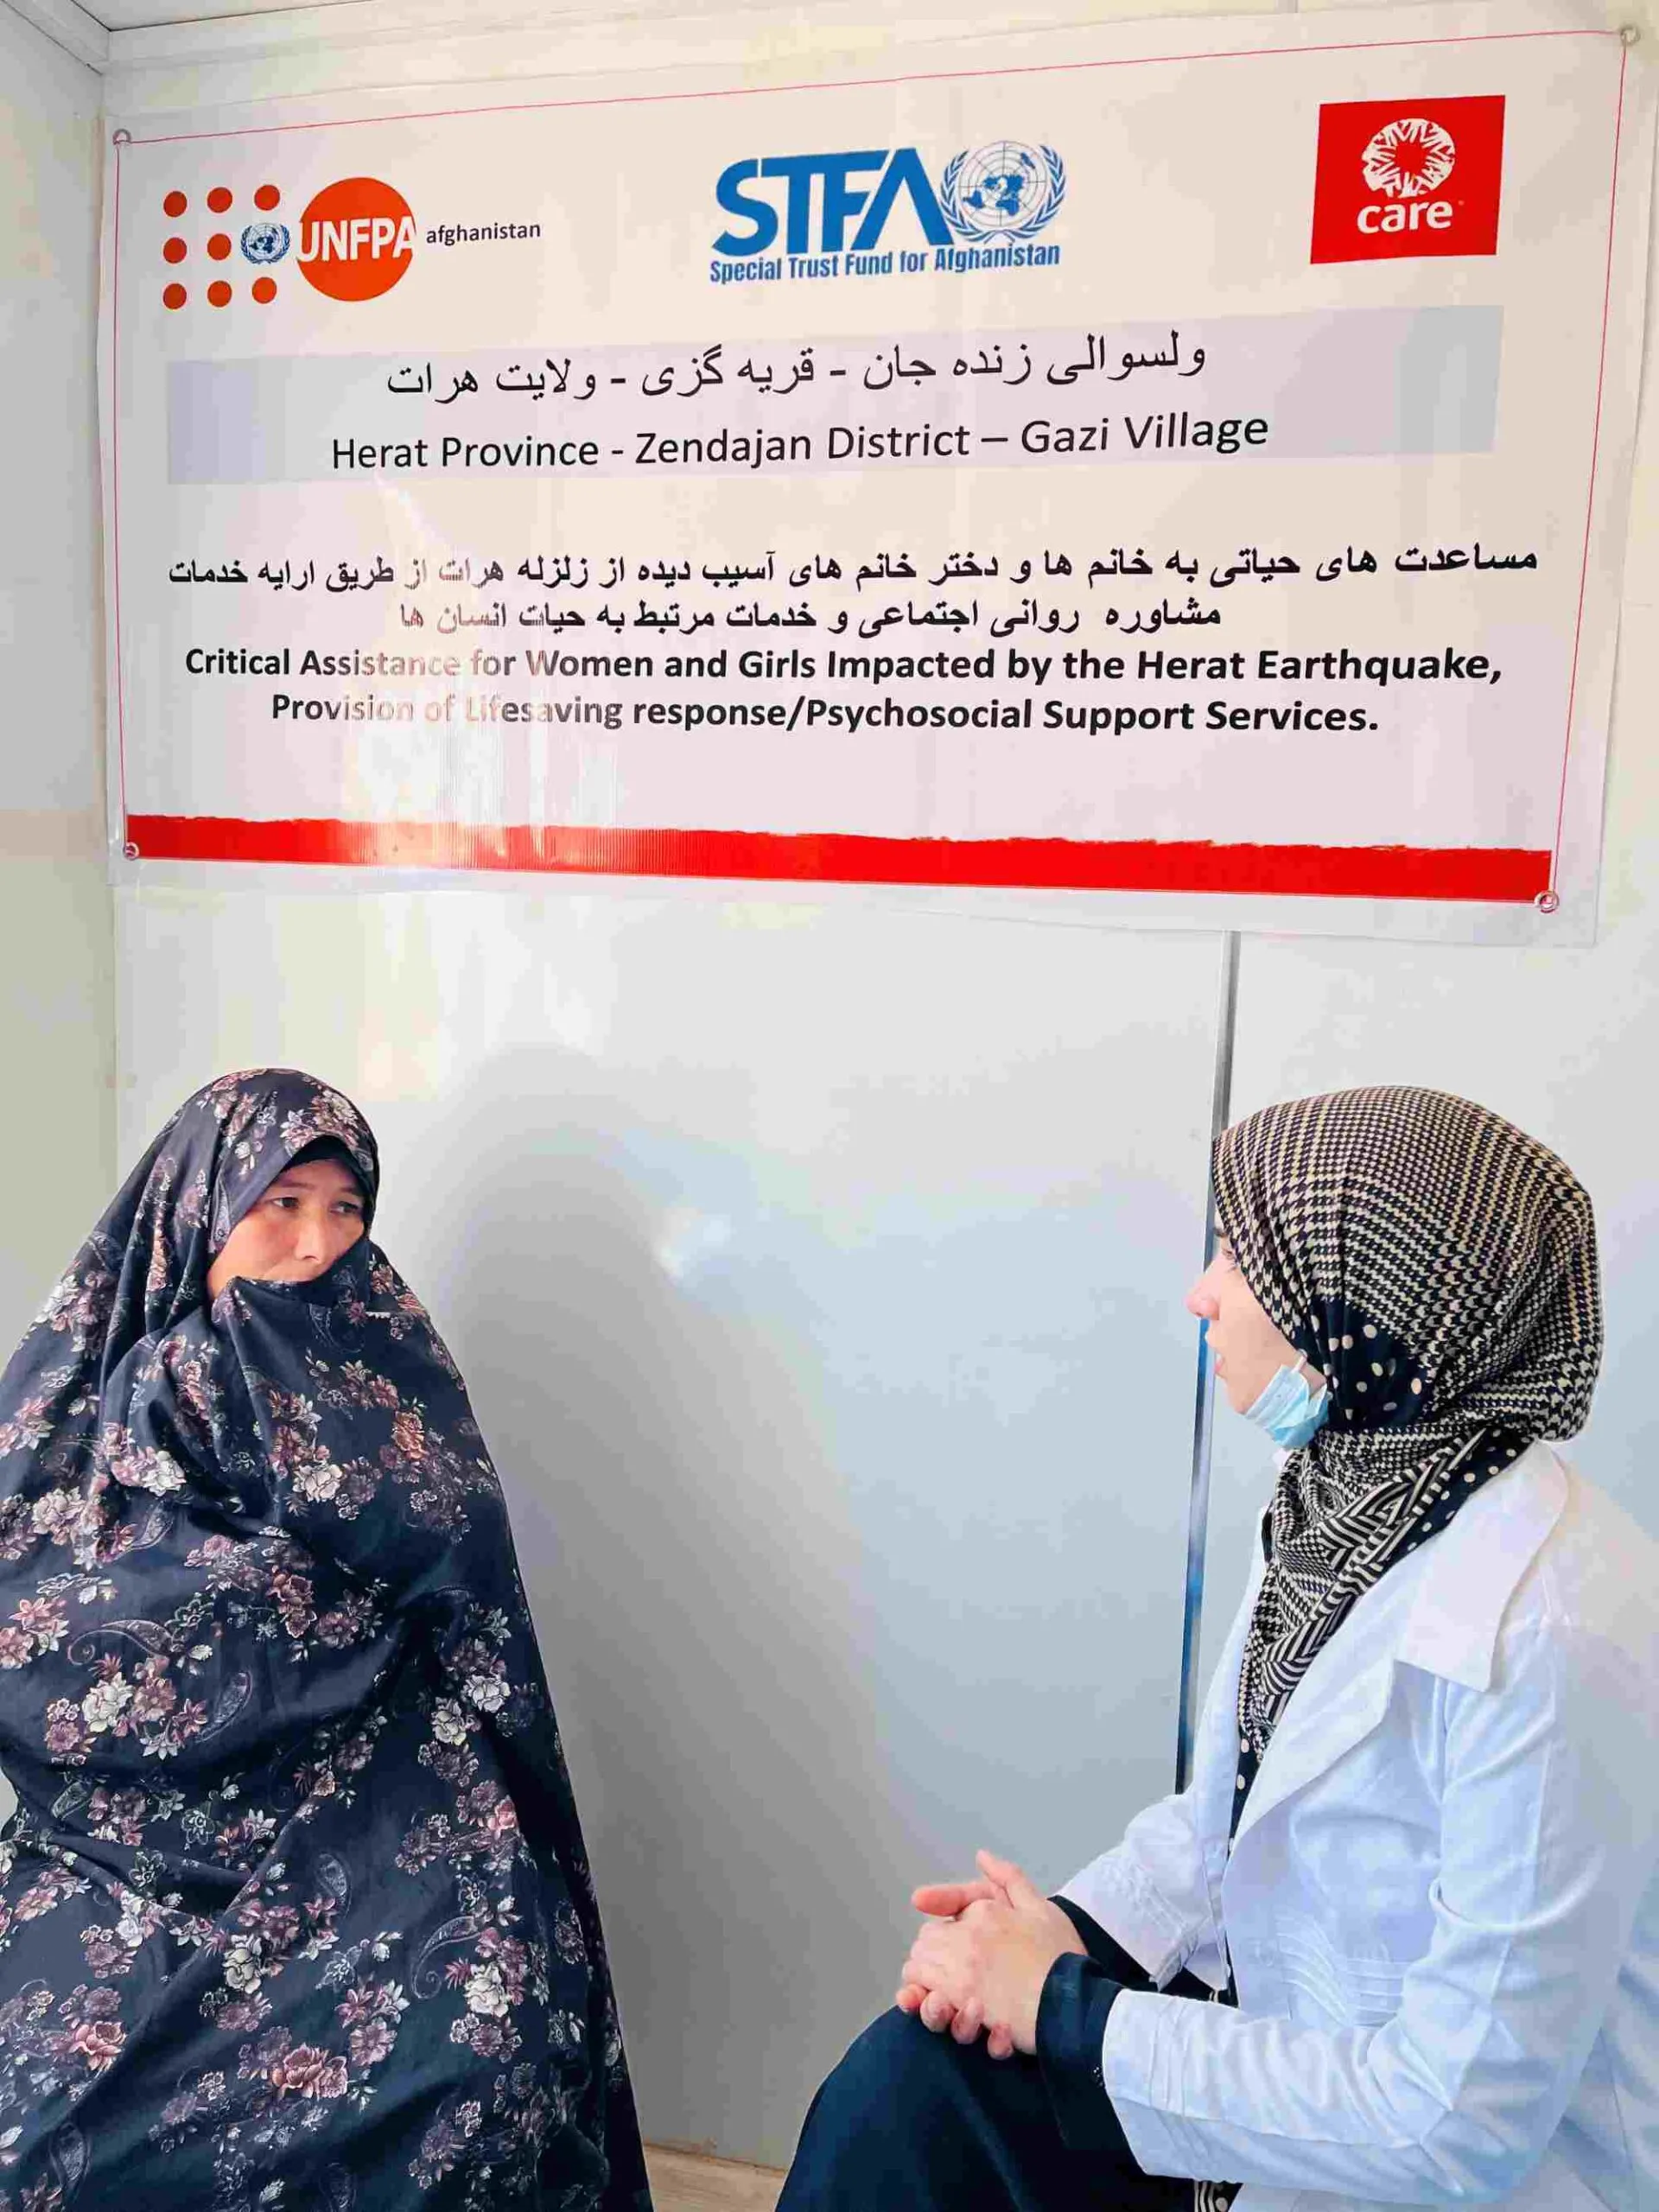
(1100, 462)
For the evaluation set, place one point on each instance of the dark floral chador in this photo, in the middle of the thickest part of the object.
(294, 1910)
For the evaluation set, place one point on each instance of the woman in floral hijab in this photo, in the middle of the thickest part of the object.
(294, 1910)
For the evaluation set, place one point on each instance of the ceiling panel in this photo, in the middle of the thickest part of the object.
(144, 14)
(140, 15)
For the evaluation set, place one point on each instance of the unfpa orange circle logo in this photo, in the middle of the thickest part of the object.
(356, 239)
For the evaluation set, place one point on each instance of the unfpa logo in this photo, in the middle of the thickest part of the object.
(357, 238)
(264, 243)
(354, 240)
(1397, 178)
(185, 247)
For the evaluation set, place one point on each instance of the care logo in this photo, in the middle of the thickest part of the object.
(1409, 158)
(1408, 178)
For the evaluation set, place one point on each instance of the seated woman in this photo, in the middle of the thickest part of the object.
(295, 1911)
(1419, 1860)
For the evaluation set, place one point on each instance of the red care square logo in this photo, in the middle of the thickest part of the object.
(1408, 177)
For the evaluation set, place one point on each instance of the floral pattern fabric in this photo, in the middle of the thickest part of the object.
(294, 1909)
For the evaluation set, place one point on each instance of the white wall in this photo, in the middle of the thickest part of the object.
(56, 960)
(799, 1258)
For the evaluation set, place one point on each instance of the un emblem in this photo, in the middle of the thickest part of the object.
(1004, 191)
(263, 243)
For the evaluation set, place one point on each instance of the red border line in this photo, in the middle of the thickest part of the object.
(1504, 876)
(870, 84)
(1595, 453)
(115, 499)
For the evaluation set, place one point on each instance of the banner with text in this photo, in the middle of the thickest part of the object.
(1097, 462)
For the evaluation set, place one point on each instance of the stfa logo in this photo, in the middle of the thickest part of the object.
(1004, 191)
(1406, 178)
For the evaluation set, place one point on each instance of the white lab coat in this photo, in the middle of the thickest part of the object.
(1442, 1908)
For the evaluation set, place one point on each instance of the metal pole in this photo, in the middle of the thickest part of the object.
(1197, 1511)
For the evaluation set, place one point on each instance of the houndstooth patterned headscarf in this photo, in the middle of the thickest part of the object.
(1439, 1267)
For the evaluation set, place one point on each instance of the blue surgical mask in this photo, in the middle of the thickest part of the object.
(1289, 1411)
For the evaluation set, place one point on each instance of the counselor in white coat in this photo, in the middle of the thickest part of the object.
(1418, 1863)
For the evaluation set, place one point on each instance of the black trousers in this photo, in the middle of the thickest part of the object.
(910, 2121)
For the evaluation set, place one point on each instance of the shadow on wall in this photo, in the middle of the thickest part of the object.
(684, 1540)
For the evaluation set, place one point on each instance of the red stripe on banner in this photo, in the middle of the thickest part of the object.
(1512, 877)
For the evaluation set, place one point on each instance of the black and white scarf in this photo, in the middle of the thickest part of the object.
(1440, 1268)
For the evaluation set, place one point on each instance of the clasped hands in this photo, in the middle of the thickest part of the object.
(980, 1963)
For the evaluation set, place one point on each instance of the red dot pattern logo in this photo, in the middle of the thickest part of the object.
(219, 245)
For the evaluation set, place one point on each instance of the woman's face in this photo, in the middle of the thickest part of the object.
(311, 1214)
(1246, 1349)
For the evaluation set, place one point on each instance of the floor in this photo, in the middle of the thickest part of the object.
(681, 2183)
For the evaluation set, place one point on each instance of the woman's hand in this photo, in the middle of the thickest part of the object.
(982, 1962)
(944, 1901)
